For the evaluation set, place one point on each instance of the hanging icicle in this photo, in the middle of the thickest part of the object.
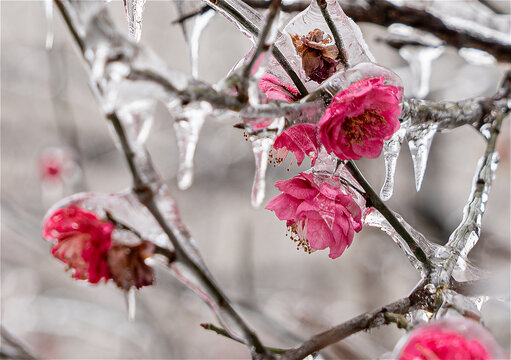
(419, 141)
(187, 126)
(134, 10)
(391, 150)
(50, 35)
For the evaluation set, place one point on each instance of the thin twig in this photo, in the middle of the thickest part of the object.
(361, 322)
(224, 333)
(261, 48)
(145, 195)
(337, 37)
(253, 29)
(374, 200)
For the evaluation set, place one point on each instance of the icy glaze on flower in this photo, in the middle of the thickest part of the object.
(318, 214)
(319, 54)
(456, 338)
(94, 250)
(276, 89)
(81, 240)
(301, 140)
(360, 118)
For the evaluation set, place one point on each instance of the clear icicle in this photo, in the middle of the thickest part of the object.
(187, 127)
(48, 10)
(419, 142)
(134, 10)
(131, 304)
(261, 148)
(200, 23)
(420, 59)
(391, 150)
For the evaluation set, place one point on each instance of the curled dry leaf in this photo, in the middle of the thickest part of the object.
(319, 54)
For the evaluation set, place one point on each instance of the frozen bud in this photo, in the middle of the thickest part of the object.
(449, 338)
(319, 54)
(360, 118)
(319, 212)
(127, 264)
(81, 240)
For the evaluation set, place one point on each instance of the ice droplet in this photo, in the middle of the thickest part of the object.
(420, 59)
(261, 148)
(477, 57)
(200, 23)
(391, 150)
(419, 142)
(131, 305)
(134, 10)
(48, 11)
(187, 126)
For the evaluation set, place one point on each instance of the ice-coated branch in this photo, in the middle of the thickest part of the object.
(361, 322)
(337, 37)
(249, 21)
(466, 235)
(452, 114)
(12, 348)
(149, 188)
(454, 31)
(261, 48)
(374, 200)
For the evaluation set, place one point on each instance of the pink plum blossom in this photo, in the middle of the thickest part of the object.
(301, 140)
(81, 240)
(318, 213)
(456, 338)
(360, 118)
(85, 243)
(276, 89)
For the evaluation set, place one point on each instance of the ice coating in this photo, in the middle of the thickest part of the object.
(188, 122)
(131, 305)
(309, 19)
(420, 59)
(261, 148)
(419, 141)
(48, 11)
(477, 57)
(375, 219)
(466, 235)
(365, 70)
(391, 150)
(134, 10)
(200, 23)
(247, 20)
(138, 118)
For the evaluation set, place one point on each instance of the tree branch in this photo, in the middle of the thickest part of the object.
(386, 13)
(145, 191)
(361, 322)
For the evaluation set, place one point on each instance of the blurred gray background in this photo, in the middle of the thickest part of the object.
(285, 294)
